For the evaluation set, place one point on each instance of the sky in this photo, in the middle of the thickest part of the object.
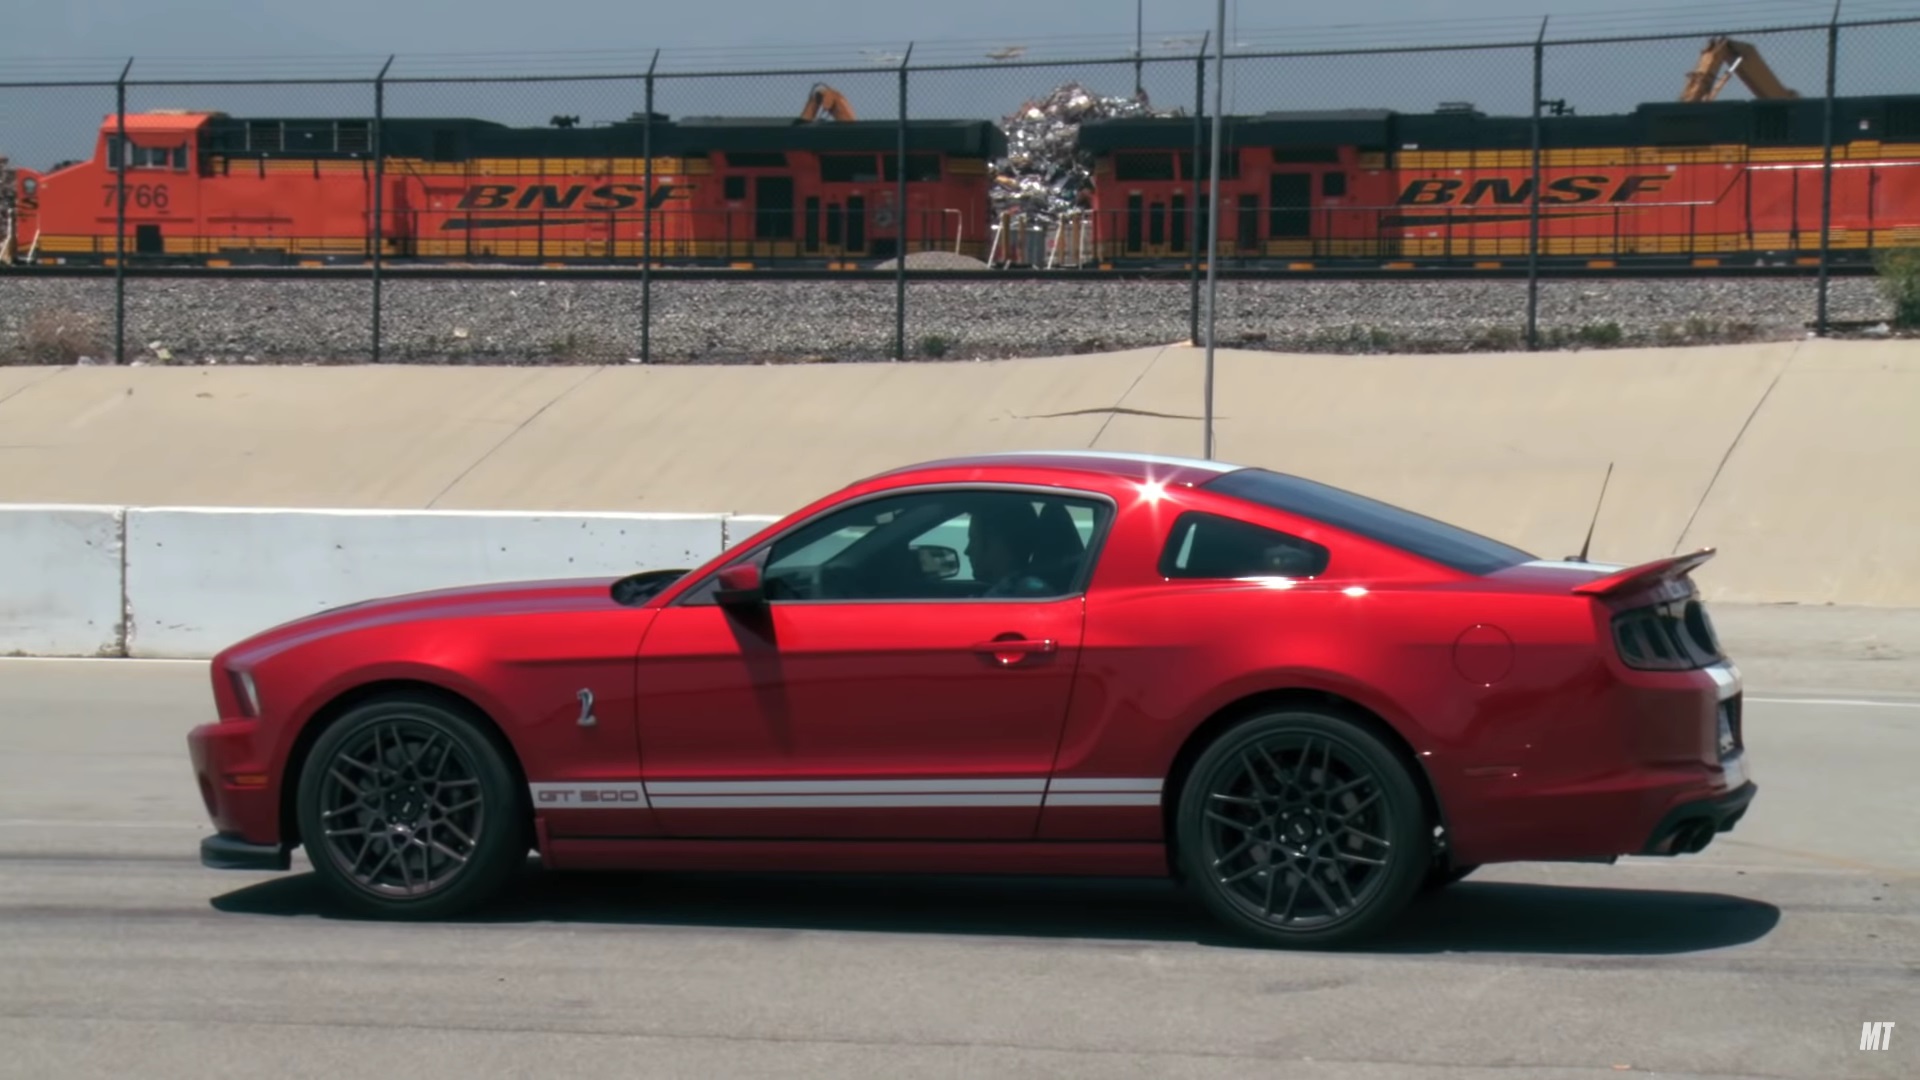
(187, 39)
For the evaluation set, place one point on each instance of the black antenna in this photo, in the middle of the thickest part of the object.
(1588, 546)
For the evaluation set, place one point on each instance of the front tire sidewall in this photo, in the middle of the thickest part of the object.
(500, 849)
(1405, 825)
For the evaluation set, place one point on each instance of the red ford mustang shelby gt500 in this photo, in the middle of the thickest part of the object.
(1305, 704)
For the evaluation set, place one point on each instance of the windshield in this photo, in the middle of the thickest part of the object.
(1448, 545)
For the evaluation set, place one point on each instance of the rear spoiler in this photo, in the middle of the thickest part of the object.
(1646, 575)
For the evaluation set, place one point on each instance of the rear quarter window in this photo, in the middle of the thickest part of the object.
(1203, 545)
(1449, 545)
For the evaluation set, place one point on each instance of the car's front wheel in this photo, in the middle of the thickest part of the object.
(407, 809)
(1302, 828)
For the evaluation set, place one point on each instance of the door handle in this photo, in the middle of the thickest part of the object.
(1009, 650)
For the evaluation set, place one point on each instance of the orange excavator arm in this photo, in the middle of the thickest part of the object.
(826, 98)
(1738, 58)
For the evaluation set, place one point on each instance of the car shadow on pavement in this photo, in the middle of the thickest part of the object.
(1493, 917)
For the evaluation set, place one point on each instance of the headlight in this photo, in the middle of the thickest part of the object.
(249, 694)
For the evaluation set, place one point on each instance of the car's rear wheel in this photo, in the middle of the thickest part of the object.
(1441, 876)
(1303, 828)
(407, 809)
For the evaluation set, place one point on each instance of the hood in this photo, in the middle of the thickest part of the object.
(467, 602)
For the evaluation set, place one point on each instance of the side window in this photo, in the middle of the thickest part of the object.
(939, 545)
(1211, 546)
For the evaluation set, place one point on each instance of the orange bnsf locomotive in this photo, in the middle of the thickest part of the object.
(1692, 184)
(211, 189)
(1688, 184)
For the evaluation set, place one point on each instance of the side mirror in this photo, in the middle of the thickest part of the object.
(938, 562)
(739, 586)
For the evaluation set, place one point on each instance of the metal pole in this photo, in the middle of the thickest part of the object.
(900, 221)
(1139, 54)
(120, 221)
(1213, 204)
(646, 224)
(1533, 214)
(1193, 197)
(379, 196)
(1826, 172)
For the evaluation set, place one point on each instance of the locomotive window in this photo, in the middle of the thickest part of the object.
(1903, 120)
(847, 168)
(1333, 185)
(133, 155)
(1229, 164)
(736, 187)
(921, 168)
(1772, 123)
(353, 137)
(758, 160)
(1306, 155)
(1139, 166)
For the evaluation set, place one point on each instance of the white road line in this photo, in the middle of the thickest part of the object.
(1865, 703)
(100, 660)
(36, 823)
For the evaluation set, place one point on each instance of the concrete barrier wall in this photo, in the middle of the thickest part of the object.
(1798, 461)
(60, 581)
(185, 582)
(199, 579)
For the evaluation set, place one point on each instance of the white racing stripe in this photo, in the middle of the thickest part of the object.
(835, 802)
(1076, 783)
(846, 794)
(1105, 798)
(841, 787)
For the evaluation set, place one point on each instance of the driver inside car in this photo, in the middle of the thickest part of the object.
(1001, 535)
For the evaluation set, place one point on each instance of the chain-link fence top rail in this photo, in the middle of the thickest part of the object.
(51, 110)
(1408, 66)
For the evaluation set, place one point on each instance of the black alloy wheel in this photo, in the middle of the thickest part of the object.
(1303, 829)
(407, 808)
(1442, 875)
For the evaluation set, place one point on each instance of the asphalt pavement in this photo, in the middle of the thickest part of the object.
(121, 957)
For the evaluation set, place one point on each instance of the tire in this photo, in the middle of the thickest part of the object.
(413, 767)
(1266, 779)
(1440, 876)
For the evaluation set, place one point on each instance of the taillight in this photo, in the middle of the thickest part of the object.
(1675, 636)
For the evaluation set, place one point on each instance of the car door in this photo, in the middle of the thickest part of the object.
(876, 693)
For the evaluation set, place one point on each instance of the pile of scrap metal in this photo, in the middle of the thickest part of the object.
(1044, 175)
(6, 212)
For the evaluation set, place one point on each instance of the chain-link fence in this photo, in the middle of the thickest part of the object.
(963, 201)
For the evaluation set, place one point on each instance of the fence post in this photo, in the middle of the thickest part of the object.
(120, 220)
(900, 220)
(1826, 173)
(1213, 214)
(379, 195)
(646, 223)
(1193, 198)
(1533, 213)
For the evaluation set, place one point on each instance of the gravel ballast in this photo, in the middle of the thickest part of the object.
(189, 321)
